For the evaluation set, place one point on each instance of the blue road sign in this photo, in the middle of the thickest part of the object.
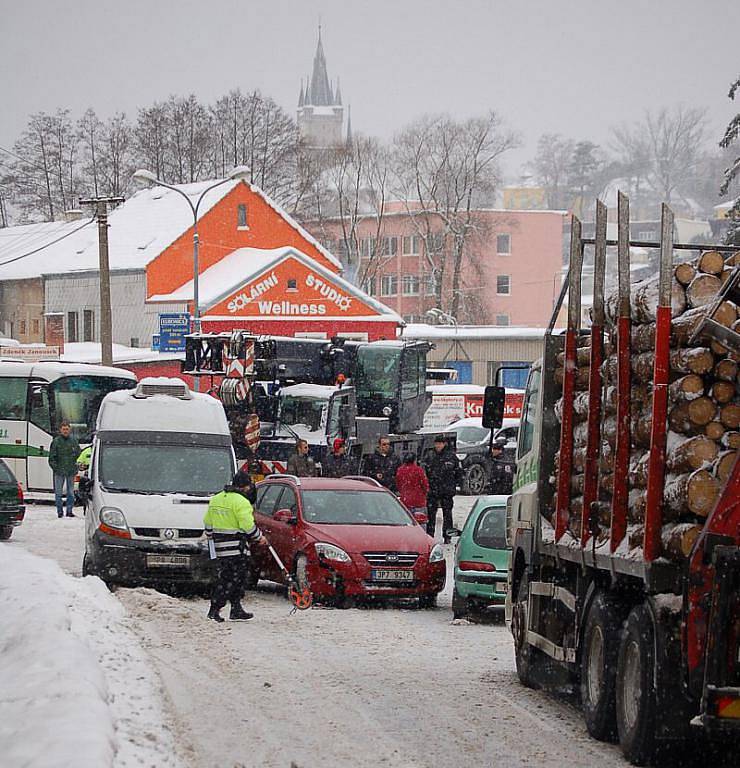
(173, 327)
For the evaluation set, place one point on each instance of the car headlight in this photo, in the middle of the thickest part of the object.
(436, 554)
(331, 552)
(387, 411)
(113, 518)
(461, 456)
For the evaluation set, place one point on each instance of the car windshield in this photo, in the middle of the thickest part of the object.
(353, 508)
(490, 530)
(193, 470)
(471, 434)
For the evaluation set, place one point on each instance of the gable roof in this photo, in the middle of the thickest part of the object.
(139, 230)
(246, 265)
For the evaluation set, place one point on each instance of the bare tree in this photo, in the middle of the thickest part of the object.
(552, 167)
(444, 171)
(90, 130)
(151, 139)
(117, 159)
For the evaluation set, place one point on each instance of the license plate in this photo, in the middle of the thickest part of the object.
(392, 575)
(502, 586)
(168, 561)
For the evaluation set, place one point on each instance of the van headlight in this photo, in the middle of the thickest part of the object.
(436, 554)
(332, 552)
(113, 518)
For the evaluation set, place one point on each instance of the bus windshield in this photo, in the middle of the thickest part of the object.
(378, 371)
(77, 399)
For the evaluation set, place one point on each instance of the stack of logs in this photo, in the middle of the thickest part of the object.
(704, 408)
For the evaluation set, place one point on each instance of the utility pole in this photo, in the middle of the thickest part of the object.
(106, 318)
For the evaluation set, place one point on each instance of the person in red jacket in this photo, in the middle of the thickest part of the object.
(412, 484)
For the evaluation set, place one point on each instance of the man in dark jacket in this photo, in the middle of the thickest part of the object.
(383, 464)
(337, 463)
(443, 470)
(300, 463)
(63, 455)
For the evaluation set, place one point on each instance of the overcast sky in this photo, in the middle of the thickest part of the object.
(567, 66)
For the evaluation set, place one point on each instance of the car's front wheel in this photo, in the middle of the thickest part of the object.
(460, 606)
(475, 480)
(5, 532)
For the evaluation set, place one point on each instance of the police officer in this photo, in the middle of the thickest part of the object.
(443, 470)
(383, 464)
(229, 523)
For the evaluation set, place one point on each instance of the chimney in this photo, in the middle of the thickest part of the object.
(73, 214)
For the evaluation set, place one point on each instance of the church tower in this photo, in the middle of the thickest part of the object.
(320, 110)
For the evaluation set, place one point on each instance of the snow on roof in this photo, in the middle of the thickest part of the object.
(318, 391)
(89, 352)
(139, 230)
(247, 264)
(425, 331)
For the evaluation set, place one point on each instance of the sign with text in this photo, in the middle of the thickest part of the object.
(30, 354)
(173, 328)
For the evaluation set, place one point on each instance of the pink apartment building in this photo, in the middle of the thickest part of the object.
(510, 274)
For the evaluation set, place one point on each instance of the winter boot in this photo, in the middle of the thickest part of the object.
(215, 614)
(239, 614)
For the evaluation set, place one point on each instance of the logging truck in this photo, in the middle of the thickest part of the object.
(625, 516)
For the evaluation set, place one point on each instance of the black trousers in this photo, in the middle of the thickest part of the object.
(434, 501)
(231, 576)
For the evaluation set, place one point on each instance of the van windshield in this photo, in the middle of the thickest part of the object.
(198, 471)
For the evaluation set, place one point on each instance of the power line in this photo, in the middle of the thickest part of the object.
(30, 253)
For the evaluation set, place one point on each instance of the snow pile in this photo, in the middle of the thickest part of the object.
(76, 687)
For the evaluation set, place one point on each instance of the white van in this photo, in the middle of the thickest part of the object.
(159, 453)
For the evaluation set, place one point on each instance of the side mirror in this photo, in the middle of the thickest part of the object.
(421, 518)
(284, 516)
(493, 407)
(453, 533)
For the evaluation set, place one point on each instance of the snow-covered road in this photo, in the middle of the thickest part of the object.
(402, 688)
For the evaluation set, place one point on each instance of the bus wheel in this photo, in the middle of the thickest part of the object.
(598, 668)
(635, 695)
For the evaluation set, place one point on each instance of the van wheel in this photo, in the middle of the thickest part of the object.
(635, 695)
(5, 532)
(474, 480)
(598, 668)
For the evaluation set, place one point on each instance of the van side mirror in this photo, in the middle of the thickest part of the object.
(494, 400)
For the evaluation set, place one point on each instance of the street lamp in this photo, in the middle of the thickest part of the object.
(443, 318)
(241, 171)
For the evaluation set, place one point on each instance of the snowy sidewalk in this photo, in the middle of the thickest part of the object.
(76, 688)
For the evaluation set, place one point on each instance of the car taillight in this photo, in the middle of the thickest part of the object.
(20, 494)
(470, 565)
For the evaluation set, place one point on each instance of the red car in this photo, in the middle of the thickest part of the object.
(346, 539)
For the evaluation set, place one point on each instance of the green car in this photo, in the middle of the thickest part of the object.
(482, 558)
(12, 510)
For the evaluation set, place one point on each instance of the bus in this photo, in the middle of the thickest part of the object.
(35, 398)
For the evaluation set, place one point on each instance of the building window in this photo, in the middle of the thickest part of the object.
(23, 328)
(134, 341)
(410, 285)
(647, 235)
(369, 286)
(368, 247)
(435, 242)
(503, 285)
(389, 285)
(410, 318)
(72, 335)
(88, 325)
(241, 216)
(35, 326)
(502, 320)
(503, 244)
(411, 245)
(429, 287)
(292, 284)
(390, 246)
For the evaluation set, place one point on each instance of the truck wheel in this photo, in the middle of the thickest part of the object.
(5, 532)
(598, 669)
(527, 656)
(474, 480)
(459, 605)
(635, 695)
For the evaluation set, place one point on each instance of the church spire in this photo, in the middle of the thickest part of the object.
(319, 94)
(338, 95)
(349, 126)
(301, 98)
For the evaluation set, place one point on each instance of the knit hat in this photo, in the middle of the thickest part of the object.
(338, 443)
(242, 478)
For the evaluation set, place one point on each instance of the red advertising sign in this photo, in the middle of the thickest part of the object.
(513, 405)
